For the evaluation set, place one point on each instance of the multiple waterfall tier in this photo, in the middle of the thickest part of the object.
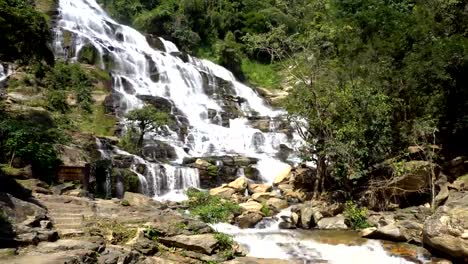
(215, 115)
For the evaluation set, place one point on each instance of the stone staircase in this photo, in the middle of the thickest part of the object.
(68, 214)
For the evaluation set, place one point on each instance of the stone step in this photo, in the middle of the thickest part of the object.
(69, 226)
(68, 222)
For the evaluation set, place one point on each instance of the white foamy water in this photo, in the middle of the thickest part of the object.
(196, 89)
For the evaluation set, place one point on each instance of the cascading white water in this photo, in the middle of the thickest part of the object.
(267, 240)
(181, 83)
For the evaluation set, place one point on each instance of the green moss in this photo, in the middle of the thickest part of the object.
(10, 171)
(125, 203)
(266, 210)
(48, 7)
(262, 75)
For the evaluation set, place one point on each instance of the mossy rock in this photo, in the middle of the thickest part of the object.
(89, 54)
(48, 7)
(130, 180)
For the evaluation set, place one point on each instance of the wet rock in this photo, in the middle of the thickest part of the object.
(158, 151)
(160, 103)
(205, 243)
(123, 161)
(252, 260)
(112, 103)
(127, 86)
(181, 55)
(389, 232)
(259, 188)
(286, 225)
(155, 42)
(336, 222)
(88, 54)
(446, 231)
(248, 219)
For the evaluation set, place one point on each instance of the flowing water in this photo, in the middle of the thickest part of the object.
(196, 89)
(267, 240)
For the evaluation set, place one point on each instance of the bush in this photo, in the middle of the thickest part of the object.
(151, 233)
(266, 210)
(225, 241)
(210, 209)
(355, 217)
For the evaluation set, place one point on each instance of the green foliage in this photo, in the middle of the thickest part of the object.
(89, 55)
(266, 210)
(147, 119)
(151, 233)
(25, 33)
(212, 170)
(32, 138)
(210, 209)
(118, 232)
(225, 241)
(68, 77)
(262, 74)
(4, 219)
(125, 203)
(355, 216)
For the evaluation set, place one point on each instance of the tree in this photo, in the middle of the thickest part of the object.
(147, 119)
(25, 33)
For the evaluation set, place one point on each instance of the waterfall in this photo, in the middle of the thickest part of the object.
(212, 109)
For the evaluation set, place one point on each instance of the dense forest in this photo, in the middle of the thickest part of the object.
(367, 79)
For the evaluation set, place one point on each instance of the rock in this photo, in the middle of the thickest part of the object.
(139, 200)
(460, 184)
(414, 176)
(389, 232)
(88, 54)
(66, 245)
(367, 231)
(248, 219)
(295, 218)
(145, 246)
(444, 231)
(224, 192)
(158, 151)
(307, 217)
(277, 203)
(283, 175)
(155, 42)
(263, 197)
(286, 225)
(252, 260)
(62, 188)
(303, 178)
(20, 211)
(336, 222)
(251, 206)
(259, 188)
(205, 243)
(239, 185)
(160, 103)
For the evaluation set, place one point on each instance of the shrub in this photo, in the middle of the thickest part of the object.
(356, 217)
(225, 241)
(210, 209)
(151, 233)
(266, 210)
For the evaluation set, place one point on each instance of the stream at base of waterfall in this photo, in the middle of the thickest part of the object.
(215, 116)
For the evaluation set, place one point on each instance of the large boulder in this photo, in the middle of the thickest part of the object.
(283, 175)
(263, 197)
(259, 188)
(412, 176)
(223, 191)
(248, 219)
(240, 184)
(446, 231)
(251, 206)
(336, 222)
(277, 203)
(204, 243)
(159, 151)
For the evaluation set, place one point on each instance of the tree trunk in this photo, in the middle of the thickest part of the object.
(140, 141)
(320, 178)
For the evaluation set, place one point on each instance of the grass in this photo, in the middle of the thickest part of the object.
(119, 233)
(266, 209)
(211, 209)
(262, 75)
(98, 122)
